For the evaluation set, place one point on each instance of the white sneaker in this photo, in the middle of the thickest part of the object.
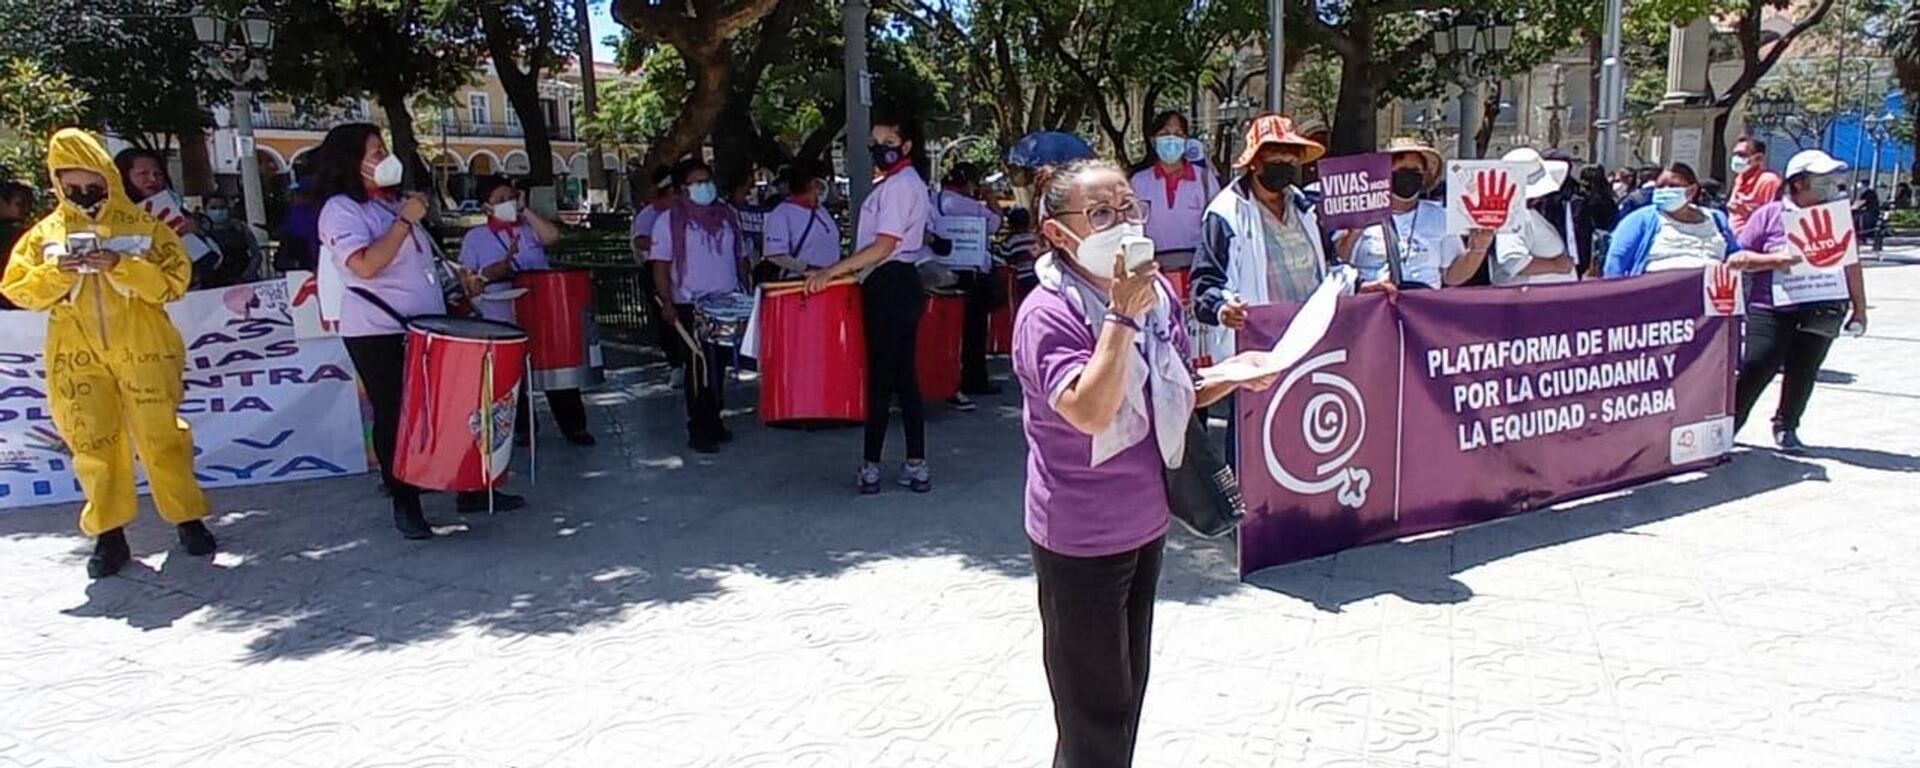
(961, 402)
(869, 481)
(917, 476)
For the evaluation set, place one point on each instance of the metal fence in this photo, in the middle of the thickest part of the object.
(619, 293)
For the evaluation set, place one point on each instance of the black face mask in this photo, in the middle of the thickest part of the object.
(1407, 183)
(87, 198)
(1278, 175)
(884, 156)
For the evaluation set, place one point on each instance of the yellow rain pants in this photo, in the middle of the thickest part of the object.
(114, 359)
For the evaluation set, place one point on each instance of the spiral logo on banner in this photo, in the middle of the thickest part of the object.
(1332, 426)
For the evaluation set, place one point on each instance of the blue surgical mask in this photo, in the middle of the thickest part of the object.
(1170, 149)
(217, 215)
(1670, 199)
(703, 193)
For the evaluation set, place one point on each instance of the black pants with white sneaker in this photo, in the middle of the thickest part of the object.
(1096, 626)
(892, 302)
(1793, 342)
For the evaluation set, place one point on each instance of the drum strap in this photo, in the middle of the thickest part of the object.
(375, 300)
(812, 218)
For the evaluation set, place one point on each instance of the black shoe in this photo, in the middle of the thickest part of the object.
(110, 554)
(198, 541)
(703, 444)
(412, 524)
(476, 501)
(1789, 441)
(582, 438)
(726, 435)
(983, 389)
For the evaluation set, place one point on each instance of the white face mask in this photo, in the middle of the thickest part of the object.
(389, 172)
(506, 211)
(1739, 163)
(1096, 251)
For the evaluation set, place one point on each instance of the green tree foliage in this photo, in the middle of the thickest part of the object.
(33, 104)
(1903, 45)
(134, 59)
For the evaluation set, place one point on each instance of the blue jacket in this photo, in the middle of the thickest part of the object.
(1633, 240)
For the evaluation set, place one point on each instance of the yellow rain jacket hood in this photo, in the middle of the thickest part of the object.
(114, 359)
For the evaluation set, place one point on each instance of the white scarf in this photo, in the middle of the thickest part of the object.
(1158, 372)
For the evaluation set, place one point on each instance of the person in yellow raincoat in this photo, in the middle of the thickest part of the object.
(114, 359)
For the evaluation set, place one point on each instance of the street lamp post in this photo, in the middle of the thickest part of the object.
(1469, 40)
(1879, 127)
(235, 50)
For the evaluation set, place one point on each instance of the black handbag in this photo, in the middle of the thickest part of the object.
(1203, 492)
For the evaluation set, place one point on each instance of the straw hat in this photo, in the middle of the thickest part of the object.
(1274, 129)
(1431, 163)
(1544, 177)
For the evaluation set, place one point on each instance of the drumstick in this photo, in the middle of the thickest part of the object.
(771, 290)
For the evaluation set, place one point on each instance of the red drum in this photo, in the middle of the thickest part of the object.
(813, 355)
(456, 414)
(1000, 323)
(1182, 280)
(557, 313)
(937, 351)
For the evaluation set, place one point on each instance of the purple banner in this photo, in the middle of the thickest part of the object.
(1354, 190)
(1463, 405)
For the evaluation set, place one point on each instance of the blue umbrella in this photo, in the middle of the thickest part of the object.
(1047, 148)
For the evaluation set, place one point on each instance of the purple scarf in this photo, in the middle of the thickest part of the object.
(712, 219)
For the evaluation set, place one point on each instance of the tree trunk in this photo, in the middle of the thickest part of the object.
(733, 142)
(523, 96)
(196, 167)
(393, 100)
(589, 94)
(711, 67)
(1593, 94)
(1718, 159)
(1355, 112)
(820, 143)
(1489, 112)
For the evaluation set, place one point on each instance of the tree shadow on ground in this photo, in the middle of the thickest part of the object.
(1423, 569)
(638, 521)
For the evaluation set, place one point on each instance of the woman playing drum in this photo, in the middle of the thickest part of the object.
(374, 245)
(696, 249)
(513, 239)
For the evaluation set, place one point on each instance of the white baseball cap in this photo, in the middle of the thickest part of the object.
(1815, 162)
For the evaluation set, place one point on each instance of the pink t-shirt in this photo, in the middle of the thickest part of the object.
(710, 260)
(1175, 205)
(347, 227)
(484, 247)
(948, 203)
(788, 234)
(643, 220)
(897, 208)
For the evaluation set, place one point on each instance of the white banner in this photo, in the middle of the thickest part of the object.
(1823, 238)
(969, 237)
(265, 405)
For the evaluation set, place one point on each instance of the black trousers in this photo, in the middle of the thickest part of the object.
(1096, 627)
(381, 362)
(705, 394)
(983, 296)
(1792, 342)
(892, 302)
(663, 336)
(569, 411)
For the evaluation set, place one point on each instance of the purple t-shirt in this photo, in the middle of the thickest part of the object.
(710, 263)
(484, 247)
(897, 208)
(347, 227)
(1073, 507)
(644, 219)
(788, 233)
(1764, 232)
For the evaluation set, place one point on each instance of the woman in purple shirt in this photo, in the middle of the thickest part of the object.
(696, 251)
(372, 242)
(514, 239)
(1096, 499)
(889, 240)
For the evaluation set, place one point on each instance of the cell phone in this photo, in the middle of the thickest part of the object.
(1139, 253)
(81, 244)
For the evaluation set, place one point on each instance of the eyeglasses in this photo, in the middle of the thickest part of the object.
(1104, 217)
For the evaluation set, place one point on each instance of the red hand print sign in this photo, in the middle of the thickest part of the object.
(1722, 291)
(1484, 194)
(1822, 236)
